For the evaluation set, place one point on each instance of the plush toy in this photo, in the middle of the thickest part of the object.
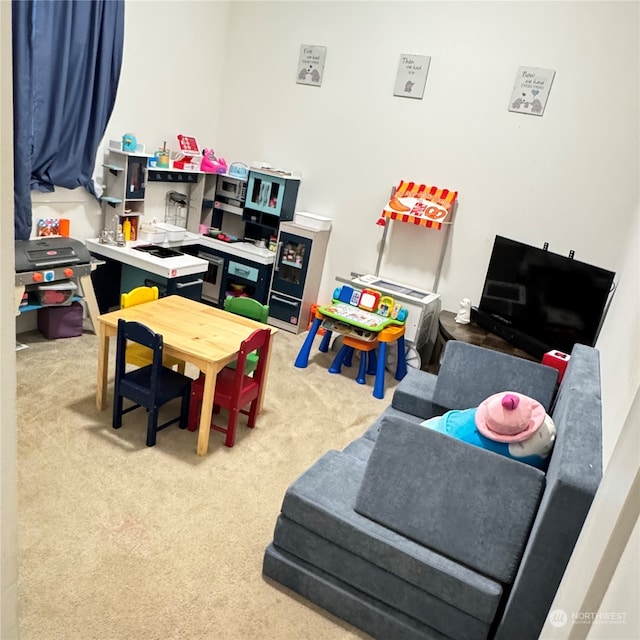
(508, 423)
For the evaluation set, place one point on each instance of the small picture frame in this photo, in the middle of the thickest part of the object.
(531, 90)
(411, 77)
(311, 65)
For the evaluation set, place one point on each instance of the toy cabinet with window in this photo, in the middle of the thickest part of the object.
(296, 275)
(270, 199)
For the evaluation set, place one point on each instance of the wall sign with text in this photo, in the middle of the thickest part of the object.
(311, 65)
(412, 76)
(531, 90)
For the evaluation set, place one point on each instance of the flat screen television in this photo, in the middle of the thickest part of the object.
(542, 301)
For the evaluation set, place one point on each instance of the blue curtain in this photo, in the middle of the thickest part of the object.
(67, 56)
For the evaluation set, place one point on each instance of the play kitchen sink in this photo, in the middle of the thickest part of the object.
(158, 251)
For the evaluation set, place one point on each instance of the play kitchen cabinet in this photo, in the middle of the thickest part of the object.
(185, 286)
(270, 200)
(124, 268)
(235, 269)
(233, 274)
(296, 275)
(247, 278)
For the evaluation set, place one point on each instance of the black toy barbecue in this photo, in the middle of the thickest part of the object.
(43, 260)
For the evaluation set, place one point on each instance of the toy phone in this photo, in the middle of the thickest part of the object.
(355, 297)
(343, 293)
(385, 306)
(369, 300)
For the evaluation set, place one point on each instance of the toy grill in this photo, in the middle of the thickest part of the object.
(50, 259)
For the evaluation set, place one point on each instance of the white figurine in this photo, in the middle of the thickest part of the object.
(464, 314)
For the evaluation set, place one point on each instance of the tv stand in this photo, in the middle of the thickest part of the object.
(472, 333)
(502, 328)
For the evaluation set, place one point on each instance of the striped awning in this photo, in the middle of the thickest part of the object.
(419, 204)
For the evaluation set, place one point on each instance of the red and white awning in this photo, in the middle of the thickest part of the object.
(420, 205)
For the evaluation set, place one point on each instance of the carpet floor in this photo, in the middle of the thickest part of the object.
(121, 541)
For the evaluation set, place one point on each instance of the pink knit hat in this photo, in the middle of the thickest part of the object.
(509, 417)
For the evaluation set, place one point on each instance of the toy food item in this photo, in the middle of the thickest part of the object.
(435, 213)
(396, 205)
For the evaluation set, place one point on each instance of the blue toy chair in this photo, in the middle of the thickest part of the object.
(151, 386)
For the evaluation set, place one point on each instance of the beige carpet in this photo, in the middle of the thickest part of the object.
(120, 541)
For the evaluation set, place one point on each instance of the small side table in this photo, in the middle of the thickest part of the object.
(449, 329)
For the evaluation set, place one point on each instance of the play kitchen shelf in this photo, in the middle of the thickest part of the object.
(138, 194)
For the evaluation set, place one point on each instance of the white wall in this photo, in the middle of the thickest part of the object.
(569, 177)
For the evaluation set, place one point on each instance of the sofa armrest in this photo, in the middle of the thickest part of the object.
(414, 395)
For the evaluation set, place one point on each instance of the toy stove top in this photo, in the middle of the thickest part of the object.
(49, 259)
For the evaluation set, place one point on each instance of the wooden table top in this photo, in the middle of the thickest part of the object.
(206, 332)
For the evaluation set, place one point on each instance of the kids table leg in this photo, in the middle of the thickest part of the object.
(326, 341)
(390, 334)
(302, 359)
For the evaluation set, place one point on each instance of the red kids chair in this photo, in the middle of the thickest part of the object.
(234, 389)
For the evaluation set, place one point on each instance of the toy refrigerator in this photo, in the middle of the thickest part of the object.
(297, 272)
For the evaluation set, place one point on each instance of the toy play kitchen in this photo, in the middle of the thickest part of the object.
(239, 215)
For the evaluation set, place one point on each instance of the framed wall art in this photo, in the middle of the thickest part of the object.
(412, 76)
(311, 64)
(531, 90)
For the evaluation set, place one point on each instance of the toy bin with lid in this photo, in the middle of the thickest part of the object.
(56, 294)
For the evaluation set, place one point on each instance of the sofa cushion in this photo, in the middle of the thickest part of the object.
(414, 395)
(470, 374)
(321, 500)
(374, 581)
(469, 504)
(375, 617)
(360, 448)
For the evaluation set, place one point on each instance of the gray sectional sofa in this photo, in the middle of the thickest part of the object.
(410, 534)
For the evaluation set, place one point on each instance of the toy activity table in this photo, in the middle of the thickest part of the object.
(365, 330)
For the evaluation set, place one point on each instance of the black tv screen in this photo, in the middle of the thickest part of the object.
(555, 299)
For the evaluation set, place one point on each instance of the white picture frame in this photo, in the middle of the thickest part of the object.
(311, 65)
(411, 77)
(531, 90)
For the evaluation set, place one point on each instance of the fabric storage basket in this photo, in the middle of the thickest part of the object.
(61, 322)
